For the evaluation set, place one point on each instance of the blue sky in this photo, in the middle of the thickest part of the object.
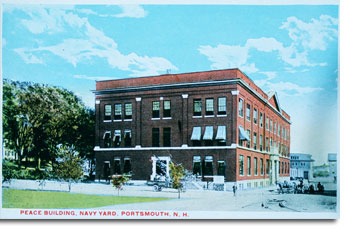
(290, 49)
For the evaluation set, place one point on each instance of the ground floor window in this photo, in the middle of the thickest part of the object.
(197, 166)
(106, 169)
(127, 165)
(241, 165)
(221, 168)
(208, 166)
(117, 166)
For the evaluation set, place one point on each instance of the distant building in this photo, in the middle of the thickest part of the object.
(332, 161)
(215, 123)
(301, 165)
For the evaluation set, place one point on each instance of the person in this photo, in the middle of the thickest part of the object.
(234, 189)
(311, 189)
(320, 187)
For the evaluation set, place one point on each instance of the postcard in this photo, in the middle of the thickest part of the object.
(170, 110)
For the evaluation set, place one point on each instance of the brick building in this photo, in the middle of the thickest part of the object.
(213, 123)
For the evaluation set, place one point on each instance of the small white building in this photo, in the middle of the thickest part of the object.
(332, 161)
(300, 165)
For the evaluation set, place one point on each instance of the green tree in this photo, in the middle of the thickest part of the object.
(9, 171)
(69, 165)
(118, 181)
(177, 172)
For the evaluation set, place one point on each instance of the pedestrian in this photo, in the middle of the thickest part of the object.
(234, 189)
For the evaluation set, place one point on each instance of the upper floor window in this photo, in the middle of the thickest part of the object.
(166, 137)
(261, 166)
(275, 128)
(271, 125)
(197, 107)
(248, 112)
(118, 111)
(107, 139)
(209, 107)
(127, 138)
(128, 110)
(261, 142)
(240, 107)
(155, 137)
(222, 106)
(279, 130)
(117, 138)
(261, 119)
(167, 109)
(255, 116)
(248, 141)
(108, 112)
(155, 109)
(267, 145)
(254, 141)
(267, 123)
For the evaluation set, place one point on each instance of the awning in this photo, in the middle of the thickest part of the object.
(242, 134)
(196, 158)
(196, 133)
(221, 133)
(117, 158)
(117, 133)
(208, 133)
(107, 134)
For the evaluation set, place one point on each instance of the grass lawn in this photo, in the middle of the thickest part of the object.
(14, 198)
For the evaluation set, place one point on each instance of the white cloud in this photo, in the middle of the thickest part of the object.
(94, 78)
(134, 11)
(288, 88)
(91, 42)
(305, 37)
(270, 75)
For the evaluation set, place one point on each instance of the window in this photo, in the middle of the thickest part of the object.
(249, 169)
(155, 137)
(254, 141)
(197, 165)
(267, 145)
(155, 109)
(279, 167)
(240, 107)
(117, 138)
(271, 125)
(255, 166)
(127, 138)
(128, 111)
(261, 142)
(222, 106)
(167, 137)
(209, 107)
(208, 166)
(267, 123)
(267, 166)
(261, 166)
(108, 112)
(118, 111)
(261, 120)
(248, 112)
(127, 165)
(208, 135)
(107, 139)
(117, 166)
(221, 168)
(255, 116)
(271, 145)
(279, 130)
(167, 109)
(282, 167)
(248, 141)
(275, 128)
(197, 107)
(221, 135)
(196, 135)
(241, 165)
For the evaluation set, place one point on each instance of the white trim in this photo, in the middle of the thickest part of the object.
(235, 92)
(138, 99)
(233, 146)
(219, 116)
(184, 96)
(155, 118)
(167, 118)
(127, 120)
(161, 98)
(117, 120)
(184, 146)
(137, 146)
(97, 102)
(209, 116)
(107, 120)
(197, 116)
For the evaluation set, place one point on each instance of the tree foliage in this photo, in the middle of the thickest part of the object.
(37, 118)
(119, 180)
(177, 172)
(69, 166)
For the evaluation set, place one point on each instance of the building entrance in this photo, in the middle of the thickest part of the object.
(160, 167)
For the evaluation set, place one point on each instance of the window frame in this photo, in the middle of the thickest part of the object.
(222, 112)
(126, 110)
(166, 112)
(197, 113)
(155, 113)
(211, 106)
(107, 117)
